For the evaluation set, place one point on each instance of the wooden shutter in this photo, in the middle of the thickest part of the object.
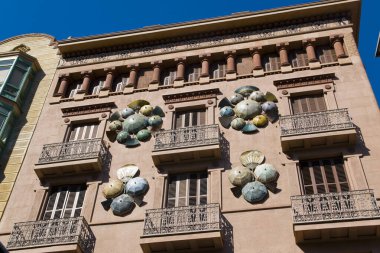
(187, 189)
(308, 103)
(325, 175)
(83, 131)
(326, 54)
(299, 59)
(190, 118)
(272, 62)
(64, 202)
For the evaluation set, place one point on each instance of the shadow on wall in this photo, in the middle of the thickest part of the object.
(361, 147)
(106, 166)
(354, 246)
(225, 152)
(228, 235)
(20, 122)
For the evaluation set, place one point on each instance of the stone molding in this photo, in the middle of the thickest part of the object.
(252, 33)
(87, 109)
(191, 96)
(304, 81)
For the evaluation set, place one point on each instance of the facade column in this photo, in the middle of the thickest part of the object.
(256, 58)
(132, 76)
(64, 83)
(86, 83)
(231, 68)
(336, 42)
(156, 73)
(109, 78)
(205, 72)
(180, 75)
(283, 52)
(310, 50)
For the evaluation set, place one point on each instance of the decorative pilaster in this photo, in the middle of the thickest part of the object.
(284, 59)
(231, 66)
(180, 75)
(64, 83)
(205, 71)
(156, 76)
(309, 46)
(256, 58)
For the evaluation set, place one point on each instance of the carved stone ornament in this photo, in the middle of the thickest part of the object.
(304, 81)
(252, 33)
(191, 96)
(21, 48)
(66, 120)
(285, 92)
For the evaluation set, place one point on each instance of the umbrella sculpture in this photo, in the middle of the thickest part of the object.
(250, 105)
(112, 189)
(137, 186)
(254, 192)
(122, 205)
(127, 172)
(244, 180)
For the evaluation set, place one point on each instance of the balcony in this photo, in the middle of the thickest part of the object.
(184, 229)
(68, 158)
(335, 216)
(57, 235)
(187, 144)
(317, 129)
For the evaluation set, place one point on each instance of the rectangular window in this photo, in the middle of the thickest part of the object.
(83, 131)
(5, 66)
(187, 189)
(299, 59)
(64, 202)
(323, 176)
(193, 73)
(169, 77)
(190, 118)
(272, 62)
(97, 85)
(308, 103)
(73, 89)
(326, 54)
(218, 70)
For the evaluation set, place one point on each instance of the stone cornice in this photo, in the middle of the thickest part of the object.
(227, 37)
(304, 81)
(87, 109)
(53, 41)
(191, 96)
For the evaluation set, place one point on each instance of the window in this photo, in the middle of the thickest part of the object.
(120, 83)
(272, 62)
(64, 202)
(326, 54)
(83, 131)
(219, 70)
(97, 85)
(187, 190)
(299, 59)
(308, 103)
(323, 175)
(193, 73)
(73, 89)
(190, 118)
(5, 66)
(169, 77)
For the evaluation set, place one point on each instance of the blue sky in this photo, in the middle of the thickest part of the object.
(79, 18)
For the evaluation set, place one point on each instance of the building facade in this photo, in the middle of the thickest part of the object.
(200, 179)
(28, 63)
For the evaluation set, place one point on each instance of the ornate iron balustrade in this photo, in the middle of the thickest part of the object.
(315, 122)
(72, 150)
(52, 232)
(187, 137)
(186, 219)
(323, 207)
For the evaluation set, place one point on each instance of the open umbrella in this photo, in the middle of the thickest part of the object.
(127, 172)
(155, 121)
(125, 113)
(239, 176)
(137, 186)
(158, 111)
(247, 109)
(227, 111)
(266, 173)
(249, 128)
(225, 102)
(146, 110)
(251, 158)
(236, 98)
(135, 123)
(122, 205)
(137, 104)
(246, 90)
(115, 125)
(122, 137)
(113, 188)
(237, 123)
(258, 96)
(254, 192)
(144, 135)
(260, 121)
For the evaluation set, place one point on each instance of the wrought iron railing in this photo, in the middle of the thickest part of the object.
(185, 219)
(52, 232)
(187, 137)
(72, 150)
(324, 207)
(315, 122)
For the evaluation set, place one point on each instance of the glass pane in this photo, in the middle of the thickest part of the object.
(309, 190)
(3, 73)
(193, 185)
(305, 173)
(333, 188)
(16, 77)
(61, 199)
(321, 188)
(344, 187)
(317, 172)
(328, 171)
